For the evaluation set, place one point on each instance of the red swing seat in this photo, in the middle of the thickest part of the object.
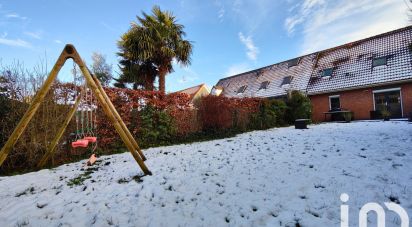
(80, 143)
(91, 139)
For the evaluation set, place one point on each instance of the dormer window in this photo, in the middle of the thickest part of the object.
(379, 61)
(293, 62)
(286, 81)
(327, 72)
(264, 85)
(242, 89)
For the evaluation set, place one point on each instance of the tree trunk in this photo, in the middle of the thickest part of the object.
(149, 83)
(162, 80)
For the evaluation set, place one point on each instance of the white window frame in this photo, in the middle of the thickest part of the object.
(334, 96)
(388, 90)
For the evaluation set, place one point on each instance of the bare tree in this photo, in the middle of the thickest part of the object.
(101, 68)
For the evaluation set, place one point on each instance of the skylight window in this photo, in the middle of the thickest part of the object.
(242, 89)
(293, 62)
(264, 85)
(286, 80)
(379, 61)
(327, 72)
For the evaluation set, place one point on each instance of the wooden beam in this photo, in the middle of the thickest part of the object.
(118, 118)
(52, 147)
(38, 98)
(92, 85)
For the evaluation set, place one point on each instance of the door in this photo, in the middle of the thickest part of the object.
(390, 100)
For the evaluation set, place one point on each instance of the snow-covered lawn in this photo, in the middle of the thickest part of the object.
(277, 177)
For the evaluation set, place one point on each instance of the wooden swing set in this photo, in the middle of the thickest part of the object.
(92, 83)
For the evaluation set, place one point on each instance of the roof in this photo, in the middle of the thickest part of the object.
(192, 91)
(275, 74)
(351, 63)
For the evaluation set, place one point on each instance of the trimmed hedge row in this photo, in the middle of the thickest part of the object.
(154, 120)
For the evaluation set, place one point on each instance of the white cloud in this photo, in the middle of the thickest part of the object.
(58, 41)
(252, 50)
(14, 42)
(15, 15)
(326, 24)
(304, 10)
(34, 35)
(221, 10)
(221, 13)
(237, 68)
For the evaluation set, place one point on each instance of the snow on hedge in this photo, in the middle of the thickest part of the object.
(278, 177)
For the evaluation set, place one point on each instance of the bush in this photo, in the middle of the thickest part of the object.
(156, 127)
(219, 114)
(271, 114)
(299, 107)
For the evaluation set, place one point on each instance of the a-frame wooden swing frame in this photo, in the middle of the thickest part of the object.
(94, 85)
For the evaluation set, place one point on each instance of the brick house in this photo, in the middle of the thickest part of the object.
(364, 77)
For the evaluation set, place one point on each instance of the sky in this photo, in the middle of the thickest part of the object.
(229, 37)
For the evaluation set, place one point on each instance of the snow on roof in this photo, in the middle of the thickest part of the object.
(351, 64)
(274, 74)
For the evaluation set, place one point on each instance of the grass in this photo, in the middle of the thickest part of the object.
(82, 177)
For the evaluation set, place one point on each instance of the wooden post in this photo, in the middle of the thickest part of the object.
(92, 85)
(118, 118)
(53, 144)
(39, 97)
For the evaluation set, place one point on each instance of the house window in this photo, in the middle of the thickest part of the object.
(334, 102)
(264, 85)
(242, 89)
(286, 80)
(379, 61)
(327, 72)
(293, 62)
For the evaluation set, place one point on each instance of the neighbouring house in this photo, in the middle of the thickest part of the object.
(365, 77)
(274, 81)
(196, 92)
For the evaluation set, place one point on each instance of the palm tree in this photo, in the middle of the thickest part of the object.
(140, 74)
(157, 39)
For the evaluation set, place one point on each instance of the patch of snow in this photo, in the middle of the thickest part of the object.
(277, 177)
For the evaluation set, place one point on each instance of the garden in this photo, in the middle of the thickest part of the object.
(153, 118)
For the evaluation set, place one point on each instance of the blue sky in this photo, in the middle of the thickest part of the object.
(229, 37)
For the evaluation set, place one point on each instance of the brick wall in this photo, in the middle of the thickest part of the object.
(359, 101)
(406, 90)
